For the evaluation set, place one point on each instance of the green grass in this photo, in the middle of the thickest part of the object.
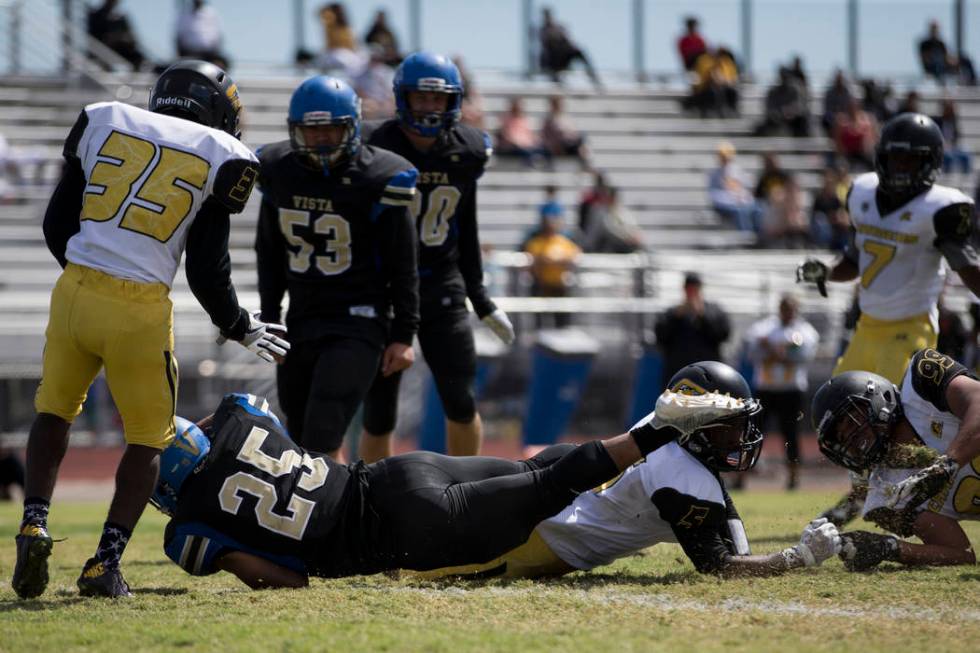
(653, 601)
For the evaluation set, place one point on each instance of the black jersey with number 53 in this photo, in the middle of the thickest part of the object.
(262, 494)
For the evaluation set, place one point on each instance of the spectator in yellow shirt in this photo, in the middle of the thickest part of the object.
(554, 257)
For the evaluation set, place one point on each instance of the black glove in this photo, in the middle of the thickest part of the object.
(861, 550)
(813, 271)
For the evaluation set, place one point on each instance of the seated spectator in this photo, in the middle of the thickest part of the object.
(594, 199)
(380, 35)
(691, 45)
(341, 54)
(953, 152)
(772, 176)
(516, 137)
(559, 52)
(110, 26)
(373, 85)
(729, 193)
(199, 34)
(715, 88)
(836, 99)
(796, 72)
(912, 103)
(553, 260)
(877, 100)
(550, 207)
(783, 219)
(787, 107)
(560, 136)
(472, 100)
(855, 134)
(829, 223)
(962, 67)
(933, 54)
(613, 229)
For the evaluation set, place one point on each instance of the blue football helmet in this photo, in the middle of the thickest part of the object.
(182, 458)
(425, 71)
(324, 100)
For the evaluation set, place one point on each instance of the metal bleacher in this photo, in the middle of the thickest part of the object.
(656, 155)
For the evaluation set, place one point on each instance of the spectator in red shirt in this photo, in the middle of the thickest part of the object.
(855, 133)
(691, 45)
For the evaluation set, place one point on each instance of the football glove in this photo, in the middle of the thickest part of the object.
(499, 323)
(262, 339)
(813, 271)
(923, 485)
(820, 540)
(861, 550)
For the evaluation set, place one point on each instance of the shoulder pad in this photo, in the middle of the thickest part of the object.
(233, 183)
(477, 143)
(955, 222)
(931, 373)
(400, 188)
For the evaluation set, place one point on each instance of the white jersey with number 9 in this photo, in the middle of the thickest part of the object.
(147, 176)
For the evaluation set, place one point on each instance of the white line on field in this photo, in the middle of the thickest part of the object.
(669, 603)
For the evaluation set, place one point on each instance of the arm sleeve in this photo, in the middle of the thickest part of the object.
(955, 228)
(233, 183)
(470, 257)
(63, 215)
(270, 255)
(697, 524)
(195, 548)
(208, 267)
(851, 252)
(398, 247)
(932, 373)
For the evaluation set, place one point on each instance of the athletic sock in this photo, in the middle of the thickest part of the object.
(36, 512)
(112, 544)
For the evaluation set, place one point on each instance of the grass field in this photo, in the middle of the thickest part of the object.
(653, 601)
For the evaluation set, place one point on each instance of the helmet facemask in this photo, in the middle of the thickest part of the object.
(904, 170)
(322, 156)
(731, 444)
(429, 123)
(853, 436)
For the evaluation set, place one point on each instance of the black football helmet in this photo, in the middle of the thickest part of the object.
(909, 155)
(731, 444)
(198, 91)
(854, 414)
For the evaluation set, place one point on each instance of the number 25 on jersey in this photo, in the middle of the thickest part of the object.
(158, 204)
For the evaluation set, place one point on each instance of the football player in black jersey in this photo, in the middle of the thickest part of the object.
(246, 499)
(450, 158)
(334, 230)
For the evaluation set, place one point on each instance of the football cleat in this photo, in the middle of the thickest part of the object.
(97, 580)
(31, 569)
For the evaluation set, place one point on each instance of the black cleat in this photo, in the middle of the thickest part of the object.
(31, 570)
(96, 580)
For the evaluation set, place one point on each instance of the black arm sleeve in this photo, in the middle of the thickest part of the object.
(270, 254)
(470, 258)
(209, 268)
(398, 246)
(698, 526)
(955, 226)
(63, 215)
(851, 252)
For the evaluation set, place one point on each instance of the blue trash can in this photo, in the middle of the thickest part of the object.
(647, 384)
(560, 365)
(432, 429)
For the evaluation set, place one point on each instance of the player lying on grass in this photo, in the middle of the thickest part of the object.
(246, 499)
(864, 422)
(674, 495)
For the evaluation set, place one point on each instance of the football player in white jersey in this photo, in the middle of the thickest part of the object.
(903, 226)
(864, 422)
(674, 495)
(138, 188)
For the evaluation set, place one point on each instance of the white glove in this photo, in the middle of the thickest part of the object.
(923, 485)
(499, 323)
(688, 413)
(813, 271)
(263, 339)
(820, 541)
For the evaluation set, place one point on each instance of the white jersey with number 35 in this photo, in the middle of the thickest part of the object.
(902, 271)
(147, 175)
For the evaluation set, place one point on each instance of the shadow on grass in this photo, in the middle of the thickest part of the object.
(792, 538)
(588, 580)
(67, 598)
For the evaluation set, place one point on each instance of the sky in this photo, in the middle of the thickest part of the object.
(488, 33)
